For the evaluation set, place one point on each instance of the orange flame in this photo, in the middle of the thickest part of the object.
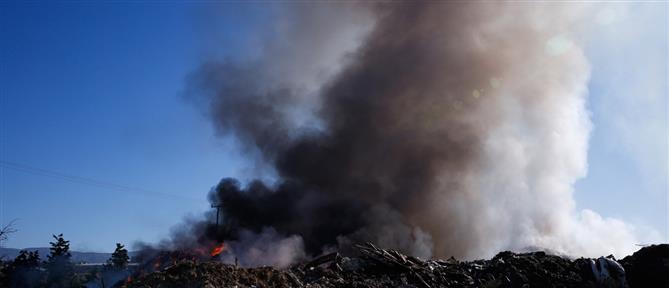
(218, 249)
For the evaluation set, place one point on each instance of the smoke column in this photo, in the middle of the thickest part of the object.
(440, 129)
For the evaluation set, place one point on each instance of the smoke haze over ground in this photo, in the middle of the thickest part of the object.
(449, 129)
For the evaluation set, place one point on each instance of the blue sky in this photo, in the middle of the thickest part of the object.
(95, 91)
(627, 157)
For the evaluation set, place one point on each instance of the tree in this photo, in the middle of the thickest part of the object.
(60, 271)
(116, 267)
(6, 230)
(60, 250)
(24, 271)
(5, 267)
(27, 259)
(119, 259)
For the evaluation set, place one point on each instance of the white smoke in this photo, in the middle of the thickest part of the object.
(523, 195)
(266, 248)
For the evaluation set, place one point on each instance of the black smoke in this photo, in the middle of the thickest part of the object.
(393, 123)
(435, 134)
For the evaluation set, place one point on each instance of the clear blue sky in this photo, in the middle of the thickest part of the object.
(94, 91)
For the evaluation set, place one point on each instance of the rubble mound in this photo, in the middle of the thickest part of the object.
(188, 273)
(375, 267)
(648, 267)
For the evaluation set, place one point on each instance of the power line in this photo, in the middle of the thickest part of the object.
(86, 181)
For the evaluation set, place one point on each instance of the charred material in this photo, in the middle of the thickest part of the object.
(648, 267)
(376, 267)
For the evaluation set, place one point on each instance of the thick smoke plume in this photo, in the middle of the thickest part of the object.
(440, 129)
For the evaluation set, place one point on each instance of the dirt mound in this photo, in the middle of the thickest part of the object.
(375, 267)
(648, 267)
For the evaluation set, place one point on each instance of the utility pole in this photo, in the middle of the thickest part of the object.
(218, 212)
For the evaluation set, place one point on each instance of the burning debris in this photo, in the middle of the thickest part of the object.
(375, 267)
(446, 129)
(217, 250)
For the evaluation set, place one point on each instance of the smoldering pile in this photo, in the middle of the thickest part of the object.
(375, 267)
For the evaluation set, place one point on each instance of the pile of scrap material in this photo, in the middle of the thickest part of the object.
(648, 267)
(375, 267)
(188, 273)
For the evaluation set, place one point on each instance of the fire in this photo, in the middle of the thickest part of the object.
(218, 249)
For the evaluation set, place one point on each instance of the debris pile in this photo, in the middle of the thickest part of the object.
(376, 267)
(648, 267)
(189, 273)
